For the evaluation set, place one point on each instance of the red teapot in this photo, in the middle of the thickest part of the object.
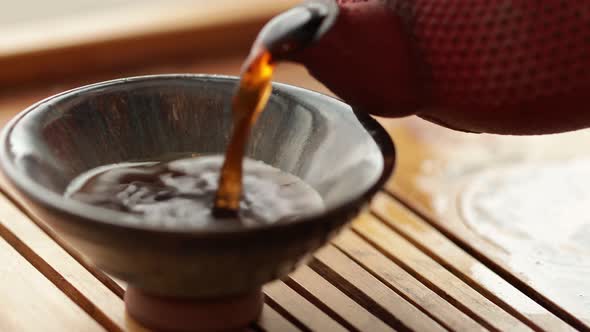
(494, 66)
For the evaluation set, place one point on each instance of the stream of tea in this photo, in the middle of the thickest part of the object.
(282, 37)
(211, 190)
(249, 101)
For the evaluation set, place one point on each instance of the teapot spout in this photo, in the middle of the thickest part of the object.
(365, 59)
(297, 28)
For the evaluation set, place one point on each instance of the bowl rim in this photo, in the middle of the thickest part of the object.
(100, 216)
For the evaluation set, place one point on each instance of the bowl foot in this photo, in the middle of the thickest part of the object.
(200, 315)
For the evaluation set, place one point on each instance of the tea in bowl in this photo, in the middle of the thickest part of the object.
(52, 151)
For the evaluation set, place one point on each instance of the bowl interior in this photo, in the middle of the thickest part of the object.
(341, 154)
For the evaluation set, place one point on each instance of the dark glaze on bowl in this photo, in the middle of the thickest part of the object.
(344, 155)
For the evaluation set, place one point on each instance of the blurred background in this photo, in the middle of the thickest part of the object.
(47, 42)
(28, 11)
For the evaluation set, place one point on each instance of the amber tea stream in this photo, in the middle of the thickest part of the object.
(248, 103)
(283, 36)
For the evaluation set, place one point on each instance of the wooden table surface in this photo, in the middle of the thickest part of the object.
(473, 232)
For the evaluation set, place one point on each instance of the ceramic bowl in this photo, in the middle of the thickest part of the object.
(346, 156)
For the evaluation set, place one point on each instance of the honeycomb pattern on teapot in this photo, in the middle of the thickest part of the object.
(497, 52)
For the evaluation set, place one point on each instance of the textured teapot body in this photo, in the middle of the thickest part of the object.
(514, 67)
